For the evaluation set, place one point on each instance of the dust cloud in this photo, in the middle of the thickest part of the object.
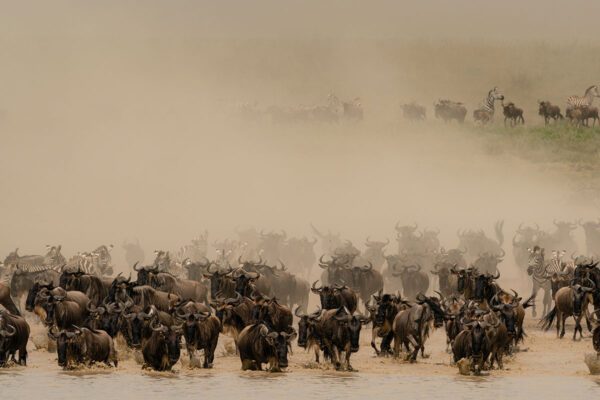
(121, 120)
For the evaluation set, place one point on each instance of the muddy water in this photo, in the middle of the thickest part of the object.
(545, 367)
(55, 384)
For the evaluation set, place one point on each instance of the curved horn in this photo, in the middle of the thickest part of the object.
(313, 287)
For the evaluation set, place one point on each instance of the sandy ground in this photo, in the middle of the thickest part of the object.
(541, 354)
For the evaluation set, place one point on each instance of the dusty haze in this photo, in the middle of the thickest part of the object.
(118, 120)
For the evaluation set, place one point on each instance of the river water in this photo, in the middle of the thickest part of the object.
(32, 384)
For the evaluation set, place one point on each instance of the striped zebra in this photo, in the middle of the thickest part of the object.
(539, 272)
(488, 103)
(586, 100)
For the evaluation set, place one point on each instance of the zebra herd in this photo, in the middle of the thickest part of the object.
(579, 109)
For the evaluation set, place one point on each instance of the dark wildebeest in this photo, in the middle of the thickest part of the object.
(146, 296)
(569, 301)
(105, 318)
(411, 326)
(512, 113)
(221, 283)
(453, 307)
(414, 280)
(383, 313)
(333, 297)
(341, 333)
(14, 334)
(38, 295)
(366, 281)
(6, 300)
(413, 112)
(309, 332)
(201, 331)
(61, 312)
(276, 316)
(163, 281)
(472, 343)
(162, 349)
(448, 282)
(135, 323)
(84, 345)
(95, 289)
(448, 110)
(548, 110)
(234, 313)
(466, 281)
(257, 345)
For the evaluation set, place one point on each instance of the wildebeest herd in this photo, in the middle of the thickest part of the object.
(579, 110)
(248, 292)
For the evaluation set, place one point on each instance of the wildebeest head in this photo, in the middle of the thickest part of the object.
(506, 312)
(6, 335)
(280, 342)
(133, 320)
(217, 275)
(439, 315)
(68, 346)
(483, 284)
(244, 281)
(32, 294)
(353, 323)
(478, 336)
(171, 335)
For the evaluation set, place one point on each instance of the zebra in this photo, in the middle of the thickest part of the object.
(586, 100)
(539, 272)
(485, 112)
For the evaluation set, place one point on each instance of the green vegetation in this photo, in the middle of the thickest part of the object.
(558, 143)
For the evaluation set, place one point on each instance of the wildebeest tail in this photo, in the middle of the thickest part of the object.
(548, 319)
(530, 302)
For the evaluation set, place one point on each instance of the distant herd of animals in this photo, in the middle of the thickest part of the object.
(579, 110)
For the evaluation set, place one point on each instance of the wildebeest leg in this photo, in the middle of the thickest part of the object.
(248, 365)
(578, 327)
(316, 354)
(335, 357)
(386, 344)
(416, 345)
(23, 356)
(374, 334)
(563, 319)
(397, 345)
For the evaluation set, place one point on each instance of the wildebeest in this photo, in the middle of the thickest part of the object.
(340, 334)
(525, 238)
(133, 253)
(448, 282)
(335, 297)
(84, 345)
(483, 116)
(257, 345)
(37, 298)
(61, 312)
(513, 114)
(6, 300)
(14, 334)
(473, 343)
(276, 316)
(383, 313)
(95, 288)
(201, 331)
(592, 236)
(589, 112)
(135, 323)
(411, 326)
(548, 111)
(166, 282)
(221, 283)
(568, 301)
(448, 110)
(162, 350)
(309, 332)
(365, 281)
(234, 313)
(413, 111)
(414, 280)
(374, 253)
